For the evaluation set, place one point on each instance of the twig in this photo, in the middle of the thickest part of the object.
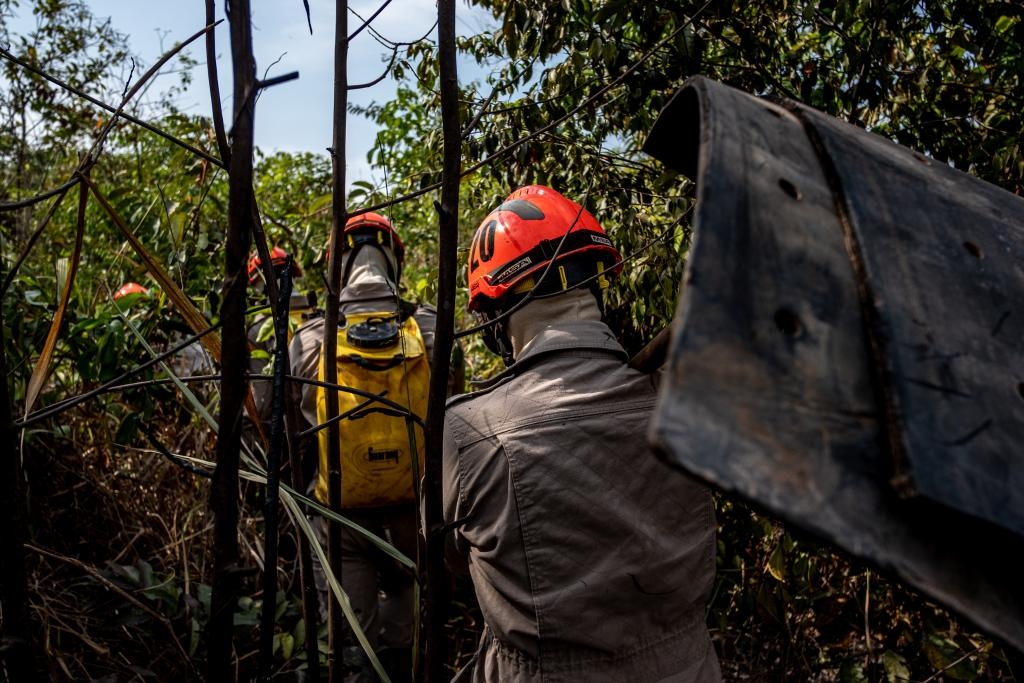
(41, 197)
(867, 615)
(367, 22)
(391, 44)
(116, 110)
(44, 221)
(952, 664)
(91, 571)
(469, 170)
(387, 70)
(183, 464)
(211, 76)
(277, 444)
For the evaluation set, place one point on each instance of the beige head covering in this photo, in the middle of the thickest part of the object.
(368, 276)
(569, 307)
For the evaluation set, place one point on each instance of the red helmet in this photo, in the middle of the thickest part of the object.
(373, 228)
(278, 257)
(517, 240)
(130, 288)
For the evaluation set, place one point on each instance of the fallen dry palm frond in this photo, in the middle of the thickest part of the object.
(35, 383)
(192, 315)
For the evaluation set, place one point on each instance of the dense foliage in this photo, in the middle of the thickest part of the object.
(569, 90)
(940, 77)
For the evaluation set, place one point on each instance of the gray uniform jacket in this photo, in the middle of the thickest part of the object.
(591, 559)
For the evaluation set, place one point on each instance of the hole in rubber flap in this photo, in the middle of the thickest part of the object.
(973, 249)
(789, 188)
(1020, 390)
(788, 323)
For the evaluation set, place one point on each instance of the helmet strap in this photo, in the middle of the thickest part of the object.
(495, 336)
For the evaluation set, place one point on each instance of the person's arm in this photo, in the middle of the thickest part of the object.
(426, 319)
(304, 357)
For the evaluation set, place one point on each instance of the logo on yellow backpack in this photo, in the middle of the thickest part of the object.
(382, 446)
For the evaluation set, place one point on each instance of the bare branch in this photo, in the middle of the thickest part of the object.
(211, 76)
(117, 110)
(380, 78)
(42, 197)
(369, 21)
(444, 340)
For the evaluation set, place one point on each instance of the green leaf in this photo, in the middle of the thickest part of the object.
(768, 603)
(128, 429)
(246, 619)
(896, 670)
(266, 330)
(945, 655)
(777, 564)
(1003, 24)
(851, 671)
(127, 572)
(287, 645)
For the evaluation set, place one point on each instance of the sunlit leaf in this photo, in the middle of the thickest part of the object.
(777, 563)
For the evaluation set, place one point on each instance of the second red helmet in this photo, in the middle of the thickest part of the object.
(517, 240)
(278, 257)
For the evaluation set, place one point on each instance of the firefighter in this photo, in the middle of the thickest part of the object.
(380, 590)
(190, 360)
(260, 331)
(592, 560)
(130, 288)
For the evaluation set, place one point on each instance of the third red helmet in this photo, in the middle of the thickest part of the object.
(517, 240)
(129, 288)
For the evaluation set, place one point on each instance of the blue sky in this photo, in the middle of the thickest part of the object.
(294, 116)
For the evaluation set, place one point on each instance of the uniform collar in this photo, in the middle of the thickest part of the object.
(580, 335)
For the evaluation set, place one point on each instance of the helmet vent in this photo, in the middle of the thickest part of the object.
(526, 210)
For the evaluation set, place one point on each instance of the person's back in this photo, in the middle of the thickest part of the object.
(592, 559)
(381, 592)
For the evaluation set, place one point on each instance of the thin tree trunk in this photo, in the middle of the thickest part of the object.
(270, 508)
(307, 581)
(448, 237)
(235, 357)
(329, 351)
